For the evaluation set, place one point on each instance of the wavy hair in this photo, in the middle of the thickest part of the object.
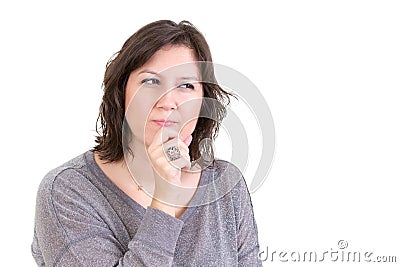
(135, 52)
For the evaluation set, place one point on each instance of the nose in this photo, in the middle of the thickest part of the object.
(168, 101)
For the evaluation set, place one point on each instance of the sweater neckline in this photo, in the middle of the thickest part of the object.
(139, 209)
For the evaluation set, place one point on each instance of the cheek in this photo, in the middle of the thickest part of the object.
(137, 112)
(149, 136)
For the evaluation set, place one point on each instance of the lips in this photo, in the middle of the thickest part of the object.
(165, 123)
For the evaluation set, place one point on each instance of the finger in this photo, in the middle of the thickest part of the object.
(183, 149)
(160, 138)
(188, 140)
(160, 153)
(182, 162)
(184, 158)
(163, 135)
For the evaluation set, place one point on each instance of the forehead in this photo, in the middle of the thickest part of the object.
(170, 56)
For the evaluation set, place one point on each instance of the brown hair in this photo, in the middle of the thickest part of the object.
(135, 52)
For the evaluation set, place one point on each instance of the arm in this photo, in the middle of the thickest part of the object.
(247, 239)
(70, 230)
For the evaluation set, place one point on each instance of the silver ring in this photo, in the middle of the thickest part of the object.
(173, 153)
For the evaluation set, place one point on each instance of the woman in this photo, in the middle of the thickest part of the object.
(150, 192)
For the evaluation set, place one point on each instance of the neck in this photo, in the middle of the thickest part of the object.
(139, 165)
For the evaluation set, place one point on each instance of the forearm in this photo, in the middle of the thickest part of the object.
(155, 241)
(153, 245)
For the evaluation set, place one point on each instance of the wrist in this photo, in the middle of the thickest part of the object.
(168, 209)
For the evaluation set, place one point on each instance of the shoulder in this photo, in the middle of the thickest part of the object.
(69, 208)
(227, 179)
(70, 191)
(228, 172)
(225, 168)
(69, 178)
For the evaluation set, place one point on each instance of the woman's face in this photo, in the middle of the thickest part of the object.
(164, 92)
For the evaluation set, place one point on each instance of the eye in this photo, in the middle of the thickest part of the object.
(151, 81)
(186, 86)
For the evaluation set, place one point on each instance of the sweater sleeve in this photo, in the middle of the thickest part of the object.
(247, 233)
(69, 231)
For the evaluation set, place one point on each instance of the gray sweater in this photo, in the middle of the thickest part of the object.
(83, 219)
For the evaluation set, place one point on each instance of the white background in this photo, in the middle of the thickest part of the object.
(329, 71)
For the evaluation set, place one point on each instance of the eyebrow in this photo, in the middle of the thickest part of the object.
(190, 78)
(149, 71)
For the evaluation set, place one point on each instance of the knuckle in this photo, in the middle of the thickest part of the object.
(159, 161)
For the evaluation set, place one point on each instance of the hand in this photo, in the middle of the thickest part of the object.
(167, 174)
